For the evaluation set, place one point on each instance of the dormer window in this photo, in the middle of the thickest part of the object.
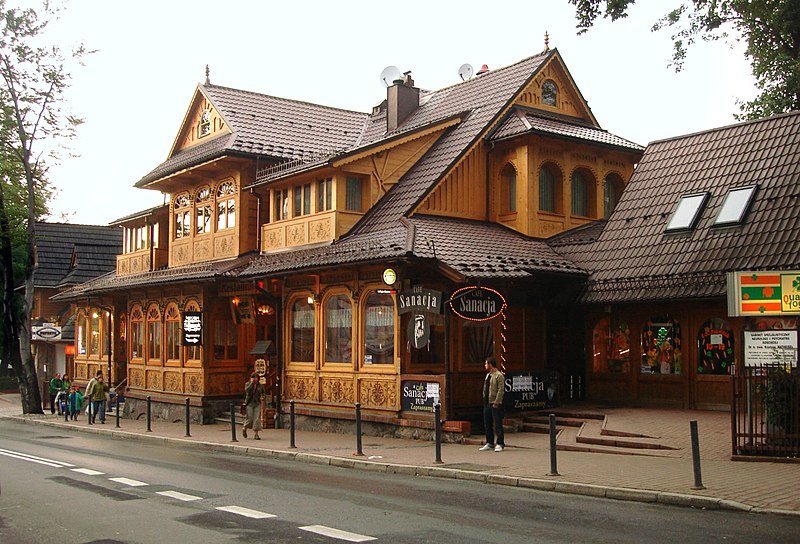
(687, 212)
(549, 93)
(735, 206)
(205, 124)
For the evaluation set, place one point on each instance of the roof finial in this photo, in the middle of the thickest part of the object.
(546, 41)
(208, 80)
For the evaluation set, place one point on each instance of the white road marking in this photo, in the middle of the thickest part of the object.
(245, 512)
(87, 471)
(126, 481)
(34, 459)
(178, 495)
(336, 533)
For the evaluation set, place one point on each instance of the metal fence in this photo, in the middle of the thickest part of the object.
(765, 413)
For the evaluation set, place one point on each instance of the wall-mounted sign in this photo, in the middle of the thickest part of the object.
(419, 300)
(419, 396)
(777, 347)
(419, 331)
(69, 349)
(192, 328)
(260, 366)
(389, 276)
(47, 332)
(764, 293)
(527, 391)
(477, 303)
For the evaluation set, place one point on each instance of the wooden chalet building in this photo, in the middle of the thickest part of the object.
(329, 242)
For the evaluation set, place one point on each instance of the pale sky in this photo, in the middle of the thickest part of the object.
(134, 91)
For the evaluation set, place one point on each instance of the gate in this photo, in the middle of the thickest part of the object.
(765, 412)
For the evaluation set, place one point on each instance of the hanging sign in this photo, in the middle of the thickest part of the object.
(419, 331)
(47, 332)
(192, 325)
(764, 293)
(477, 303)
(419, 300)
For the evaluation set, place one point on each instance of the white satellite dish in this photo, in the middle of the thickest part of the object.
(466, 71)
(389, 75)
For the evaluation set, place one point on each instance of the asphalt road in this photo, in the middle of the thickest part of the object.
(58, 487)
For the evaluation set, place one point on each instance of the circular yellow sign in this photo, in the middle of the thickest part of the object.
(389, 276)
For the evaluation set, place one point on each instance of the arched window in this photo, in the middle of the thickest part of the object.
(136, 332)
(379, 329)
(549, 188)
(226, 205)
(192, 353)
(302, 333)
(172, 321)
(508, 189)
(661, 346)
(715, 342)
(582, 193)
(478, 341)
(612, 190)
(203, 206)
(338, 319)
(182, 206)
(82, 324)
(611, 352)
(549, 93)
(94, 333)
(153, 334)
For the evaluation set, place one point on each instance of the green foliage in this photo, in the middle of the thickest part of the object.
(782, 399)
(770, 28)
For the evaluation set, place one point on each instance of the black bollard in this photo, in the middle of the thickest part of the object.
(233, 422)
(291, 425)
(359, 451)
(698, 478)
(149, 430)
(117, 412)
(437, 412)
(187, 418)
(553, 461)
(89, 419)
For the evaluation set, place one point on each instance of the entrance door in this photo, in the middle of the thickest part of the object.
(709, 376)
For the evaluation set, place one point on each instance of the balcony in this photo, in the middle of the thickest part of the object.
(309, 229)
(141, 261)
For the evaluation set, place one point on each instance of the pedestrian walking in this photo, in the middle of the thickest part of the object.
(55, 387)
(96, 392)
(63, 393)
(254, 391)
(75, 402)
(493, 390)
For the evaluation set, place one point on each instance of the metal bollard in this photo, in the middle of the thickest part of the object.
(233, 422)
(553, 460)
(117, 413)
(89, 419)
(187, 418)
(437, 413)
(358, 430)
(149, 430)
(291, 424)
(698, 478)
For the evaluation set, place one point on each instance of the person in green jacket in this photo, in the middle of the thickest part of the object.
(493, 391)
(96, 392)
(55, 387)
(74, 403)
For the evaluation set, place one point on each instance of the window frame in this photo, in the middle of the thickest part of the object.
(172, 340)
(728, 204)
(328, 357)
(556, 179)
(364, 326)
(136, 333)
(352, 193)
(691, 203)
(294, 306)
(154, 331)
(508, 189)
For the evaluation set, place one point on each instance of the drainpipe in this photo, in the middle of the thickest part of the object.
(488, 177)
(258, 218)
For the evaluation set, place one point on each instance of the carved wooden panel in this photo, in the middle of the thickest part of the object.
(154, 380)
(172, 382)
(272, 238)
(301, 388)
(378, 393)
(81, 370)
(548, 228)
(320, 230)
(136, 265)
(225, 246)
(338, 390)
(136, 377)
(296, 234)
(123, 267)
(193, 383)
(225, 384)
(146, 263)
(202, 250)
(181, 254)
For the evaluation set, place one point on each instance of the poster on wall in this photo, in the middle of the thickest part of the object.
(417, 396)
(775, 347)
(419, 331)
(192, 328)
(529, 391)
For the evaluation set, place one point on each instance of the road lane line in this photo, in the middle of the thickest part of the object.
(336, 533)
(34, 458)
(178, 495)
(87, 471)
(255, 514)
(128, 482)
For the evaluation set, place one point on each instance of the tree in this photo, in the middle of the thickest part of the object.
(33, 79)
(770, 28)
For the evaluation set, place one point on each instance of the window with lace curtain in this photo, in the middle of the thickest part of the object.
(379, 329)
(478, 341)
(302, 321)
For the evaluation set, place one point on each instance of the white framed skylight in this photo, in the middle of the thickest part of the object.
(735, 205)
(687, 212)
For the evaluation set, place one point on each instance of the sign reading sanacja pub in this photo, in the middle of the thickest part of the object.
(477, 303)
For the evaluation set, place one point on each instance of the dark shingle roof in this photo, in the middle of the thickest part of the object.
(94, 248)
(268, 126)
(522, 120)
(634, 259)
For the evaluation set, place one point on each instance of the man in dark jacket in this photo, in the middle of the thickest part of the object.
(493, 390)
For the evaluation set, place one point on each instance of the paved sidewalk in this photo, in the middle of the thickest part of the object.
(657, 476)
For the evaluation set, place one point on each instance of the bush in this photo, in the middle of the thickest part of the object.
(782, 398)
(9, 383)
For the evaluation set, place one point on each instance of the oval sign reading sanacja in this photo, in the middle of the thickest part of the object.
(477, 303)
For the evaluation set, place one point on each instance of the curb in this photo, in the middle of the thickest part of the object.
(574, 488)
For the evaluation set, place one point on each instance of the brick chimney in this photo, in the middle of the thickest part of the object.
(402, 98)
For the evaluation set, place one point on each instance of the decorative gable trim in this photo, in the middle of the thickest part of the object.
(202, 122)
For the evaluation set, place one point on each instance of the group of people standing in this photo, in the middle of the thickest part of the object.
(67, 399)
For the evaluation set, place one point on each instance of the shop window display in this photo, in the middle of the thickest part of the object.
(661, 346)
(715, 342)
(611, 347)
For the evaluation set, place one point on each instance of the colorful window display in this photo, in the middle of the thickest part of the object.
(611, 341)
(715, 342)
(661, 346)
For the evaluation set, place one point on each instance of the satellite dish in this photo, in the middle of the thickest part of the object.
(466, 71)
(389, 75)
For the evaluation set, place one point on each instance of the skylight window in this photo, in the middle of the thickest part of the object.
(687, 212)
(735, 206)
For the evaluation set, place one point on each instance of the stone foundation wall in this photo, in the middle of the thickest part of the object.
(165, 411)
(368, 428)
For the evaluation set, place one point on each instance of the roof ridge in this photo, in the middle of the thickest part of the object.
(293, 100)
(727, 127)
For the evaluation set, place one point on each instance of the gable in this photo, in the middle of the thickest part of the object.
(569, 100)
(201, 123)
